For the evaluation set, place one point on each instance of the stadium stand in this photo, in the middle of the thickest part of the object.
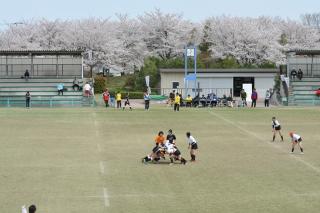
(47, 69)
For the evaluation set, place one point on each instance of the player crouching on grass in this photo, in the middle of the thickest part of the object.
(296, 139)
(174, 153)
(158, 150)
(192, 145)
(276, 127)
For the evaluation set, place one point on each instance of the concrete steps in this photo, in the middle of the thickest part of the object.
(302, 92)
(43, 93)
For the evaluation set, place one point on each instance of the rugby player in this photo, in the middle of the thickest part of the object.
(174, 153)
(296, 139)
(158, 150)
(127, 102)
(171, 137)
(192, 145)
(276, 128)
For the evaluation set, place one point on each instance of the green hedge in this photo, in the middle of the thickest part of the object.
(99, 84)
(132, 95)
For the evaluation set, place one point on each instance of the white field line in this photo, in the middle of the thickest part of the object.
(101, 163)
(106, 198)
(102, 169)
(316, 169)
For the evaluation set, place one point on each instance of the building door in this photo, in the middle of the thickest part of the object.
(238, 82)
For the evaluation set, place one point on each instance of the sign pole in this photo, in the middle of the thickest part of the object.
(195, 70)
(185, 69)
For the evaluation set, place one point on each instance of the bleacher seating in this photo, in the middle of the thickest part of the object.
(302, 92)
(43, 93)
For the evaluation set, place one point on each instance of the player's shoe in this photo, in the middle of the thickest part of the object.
(302, 153)
(183, 161)
(144, 161)
(291, 152)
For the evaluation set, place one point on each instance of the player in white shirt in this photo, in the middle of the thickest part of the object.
(192, 145)
(276, 128)
(174, 153)
(296, 139)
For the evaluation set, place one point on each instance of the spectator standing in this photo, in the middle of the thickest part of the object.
(87, 89)
(28, 97)
(60, 87)
(171, 98)
(146, 98)
(243, 96)
(177, 102)
(300, 74)
(106, 97)
(254, 98)
(118, 99)
(76, 84)
(26, 75)
(267, 98)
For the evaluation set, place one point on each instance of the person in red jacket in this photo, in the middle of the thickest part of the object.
(106, 97)
(254, 98)
(318, 92)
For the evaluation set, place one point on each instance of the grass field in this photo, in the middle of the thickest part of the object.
(88, 161)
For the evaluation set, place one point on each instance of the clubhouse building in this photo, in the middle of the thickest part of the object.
(219, 81)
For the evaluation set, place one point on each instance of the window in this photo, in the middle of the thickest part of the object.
(175, 85)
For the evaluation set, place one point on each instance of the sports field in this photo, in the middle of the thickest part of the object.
(88, 160)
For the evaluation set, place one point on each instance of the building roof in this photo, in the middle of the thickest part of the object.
(304, 52)
(40, 52)
(221, 71)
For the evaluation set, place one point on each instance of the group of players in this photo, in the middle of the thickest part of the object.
(295, 138)
(166, 146)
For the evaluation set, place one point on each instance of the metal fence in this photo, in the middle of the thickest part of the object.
(42, 101)
(40, 70)
(309, 70)
(220, 92)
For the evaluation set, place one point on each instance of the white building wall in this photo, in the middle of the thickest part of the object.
(262, 85)
(216, 82)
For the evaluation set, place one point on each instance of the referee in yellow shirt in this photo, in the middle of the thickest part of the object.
(188, 101)
(118, 99)
(177, 99)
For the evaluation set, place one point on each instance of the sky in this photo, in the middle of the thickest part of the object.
(194, 10)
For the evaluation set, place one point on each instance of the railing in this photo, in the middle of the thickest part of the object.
(220, 92)
(42, 101)
(49, 70)
(309, 70)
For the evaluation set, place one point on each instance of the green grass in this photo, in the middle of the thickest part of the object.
(62, 159)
